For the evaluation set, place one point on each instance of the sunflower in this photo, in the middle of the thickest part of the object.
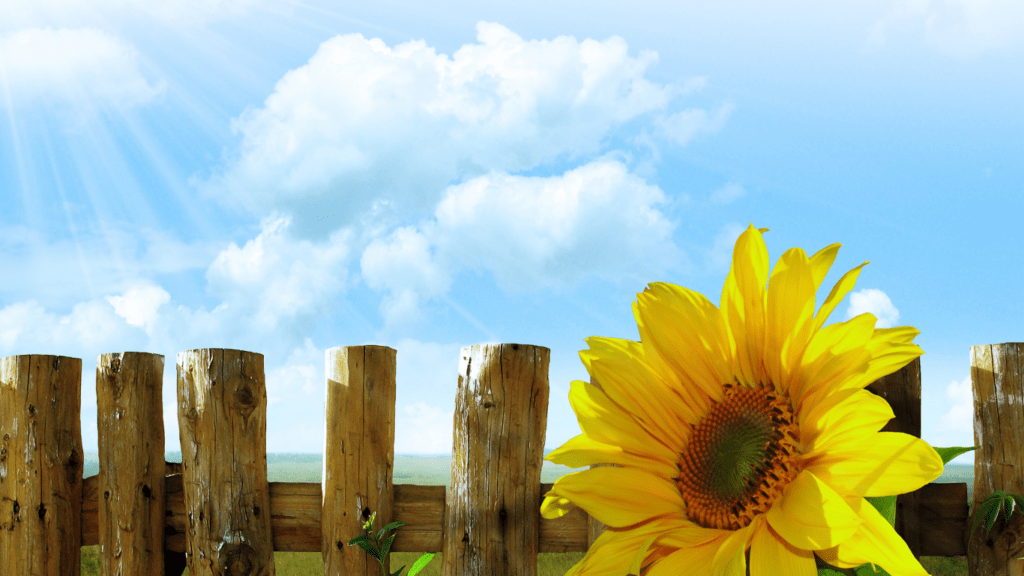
(742, 434)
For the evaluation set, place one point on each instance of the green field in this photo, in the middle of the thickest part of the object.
(433, 471)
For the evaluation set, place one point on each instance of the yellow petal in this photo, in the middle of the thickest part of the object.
(695, 559)
(619, 496)
(790, 316)
(730, 559)
(662, 408)
(684, 331)
(614, 550)
(581, 451)
(897, 463)
(857, 416)
(602, 420)
(838, 292)
(835, 354)
(875, 541)
(771, 555)
(822, 261)
(811, 515)
(743, 304)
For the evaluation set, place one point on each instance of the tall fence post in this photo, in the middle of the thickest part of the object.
(492, 512)
(997, 380)
(222, 419)
(130, 424)
(359, 453)
(40, 465)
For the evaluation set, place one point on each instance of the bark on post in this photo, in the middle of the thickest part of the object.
(997, 379)
(359, 453)
(222, 418)
(130, 423)
(40, 465)
(492, 512)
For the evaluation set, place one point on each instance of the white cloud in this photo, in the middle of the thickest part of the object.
(684, 126)
(362, 122)
(275, 277)
(532, 233)
(876, 302)
(960, 28)
(960, 417)
(139, 306)
(83, 68)
(302, 374)
(404, 265)
(727, 194)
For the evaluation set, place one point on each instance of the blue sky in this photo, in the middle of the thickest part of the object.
(286, 177)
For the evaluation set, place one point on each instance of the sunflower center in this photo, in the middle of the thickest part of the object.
(739, 457)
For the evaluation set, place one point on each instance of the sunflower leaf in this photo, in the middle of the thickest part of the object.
(886, 506)
(948, 454)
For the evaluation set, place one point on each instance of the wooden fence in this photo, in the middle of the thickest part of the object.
(219, 508)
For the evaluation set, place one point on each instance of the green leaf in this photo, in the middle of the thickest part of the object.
(397, 572)
(420, 563)
(390, 526)
(387, 546)
(886, 506)
(948, 454)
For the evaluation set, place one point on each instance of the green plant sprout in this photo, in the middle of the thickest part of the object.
(369, 542)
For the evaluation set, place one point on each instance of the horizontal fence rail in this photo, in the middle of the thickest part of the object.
(218, 507)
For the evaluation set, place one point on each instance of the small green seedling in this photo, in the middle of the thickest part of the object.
(369, 542)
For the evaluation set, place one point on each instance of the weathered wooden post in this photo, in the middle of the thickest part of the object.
(40, 465)
(492, 512)
(359, 453)
(222, 418)
(130, 423)
(997, 380)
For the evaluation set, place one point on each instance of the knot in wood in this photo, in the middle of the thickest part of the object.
(115, 365)
(238, 559)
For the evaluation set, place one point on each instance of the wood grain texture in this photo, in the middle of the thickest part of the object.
(40, 465)
(491, 517)
(358, 454)
(129, 415)
(222, 422)
(997, 380)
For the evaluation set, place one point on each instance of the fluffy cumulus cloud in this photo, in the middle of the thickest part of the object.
(83, 68)
(960, 28)
(876, 302)
(532, 233)
(275, 277)
(138, 306)
(363, 122)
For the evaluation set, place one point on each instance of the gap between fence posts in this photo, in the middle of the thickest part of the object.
(40, 465)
